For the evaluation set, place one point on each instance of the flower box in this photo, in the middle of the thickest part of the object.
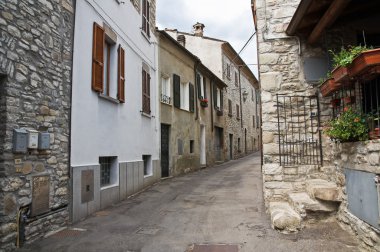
(341, 74)
(335, 103)
(329, 86)
(364, 62)
(204, 103)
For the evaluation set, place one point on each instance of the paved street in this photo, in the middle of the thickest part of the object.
(219, 205)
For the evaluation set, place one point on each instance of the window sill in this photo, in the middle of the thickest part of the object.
(145, 36)
(146, 115)
(108, 187)
(108, 98)
(148, 176)
(169, 104)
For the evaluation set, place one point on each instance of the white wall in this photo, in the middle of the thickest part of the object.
(100, 127)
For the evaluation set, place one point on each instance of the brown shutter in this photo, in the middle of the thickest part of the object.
(177, 91)
(221, 99)
(214, 95)
(97, 58)
(121, 75)
(198, 84)
(148, 93)
(191, 97)
(147, 18)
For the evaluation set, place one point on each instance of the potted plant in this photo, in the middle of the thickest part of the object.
(204, 102)
(349, 126)
(342, 60)
(365, 61)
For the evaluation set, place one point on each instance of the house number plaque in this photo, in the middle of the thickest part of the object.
(40, 195)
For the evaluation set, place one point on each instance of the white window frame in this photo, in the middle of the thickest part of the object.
(110, 68)
(165, 89)
(184, 90)
(218, 98)
(201, 86)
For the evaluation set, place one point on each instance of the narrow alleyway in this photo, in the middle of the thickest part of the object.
(219, 205)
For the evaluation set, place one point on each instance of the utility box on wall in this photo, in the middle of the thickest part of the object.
(43, 141)
(20, 140)
(32, 139)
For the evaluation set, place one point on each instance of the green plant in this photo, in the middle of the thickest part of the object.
(322, 80)
(346, 55)
(349, 126)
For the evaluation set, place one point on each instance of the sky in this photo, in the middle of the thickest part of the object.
(229, 20)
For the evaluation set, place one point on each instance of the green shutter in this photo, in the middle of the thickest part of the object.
(191, 97)
(177, 91)
(214, 95)
(221, 99)
(198, 84)
(204, 88)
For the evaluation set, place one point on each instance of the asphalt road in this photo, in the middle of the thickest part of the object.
(215, 206)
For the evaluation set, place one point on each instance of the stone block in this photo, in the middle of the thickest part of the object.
(270, 148)
(270, 81)
(278, 185)
(272, 169)
(374, 158)
(323, 190)
(269, 58)
(290, 170)
(302, 203)
(283, 217)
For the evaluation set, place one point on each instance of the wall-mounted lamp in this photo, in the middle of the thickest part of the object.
(245, 95)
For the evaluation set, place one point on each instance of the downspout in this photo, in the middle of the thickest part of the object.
(196, 89)
(241, 103)
(211, 103)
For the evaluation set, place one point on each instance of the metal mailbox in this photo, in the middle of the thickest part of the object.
(32, 139)
(20, 140)
(43, 141)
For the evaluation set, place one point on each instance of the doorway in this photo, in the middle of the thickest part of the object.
(165, 130)
(203, 146)
(231, 146)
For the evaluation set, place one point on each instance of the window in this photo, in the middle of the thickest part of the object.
(191, 146)
(258, 122)
(228, 70)
(253, 122)
(239, 149)
(229, 107)
(236, 79)
(145, 17)
(145, 91)
(201, 86)
(218, 98)
(148, 171)
(108, 64)
(253, 95)
(185, 96)
(237, 111)
(180, 146)
(109, 172)
(165, 90)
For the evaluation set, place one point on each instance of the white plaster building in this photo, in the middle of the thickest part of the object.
(115, 118)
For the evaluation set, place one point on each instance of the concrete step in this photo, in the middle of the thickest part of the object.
(283, 217)
(303, 204)
(323, 190)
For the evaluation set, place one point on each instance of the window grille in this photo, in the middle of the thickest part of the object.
(105, 170)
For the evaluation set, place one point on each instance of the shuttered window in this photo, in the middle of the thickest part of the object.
(177, 90)
(218, 98)
(237, 111)
(201, 86)
(145, 92)
(145, 17)
(121, 75)
(191, 97)
(98, 58)
(229, 107)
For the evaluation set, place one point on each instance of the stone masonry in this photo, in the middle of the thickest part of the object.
(35, 83)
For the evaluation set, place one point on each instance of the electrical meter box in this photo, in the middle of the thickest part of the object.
(20, 140)
(43, 141)
(32, 139)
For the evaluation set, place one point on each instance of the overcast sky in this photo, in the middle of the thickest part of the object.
(229, 20)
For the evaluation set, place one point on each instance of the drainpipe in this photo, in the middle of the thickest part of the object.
(196, 89)
(241, 103)
(212, 103)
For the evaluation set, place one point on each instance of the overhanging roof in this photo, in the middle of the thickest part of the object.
(313, 17)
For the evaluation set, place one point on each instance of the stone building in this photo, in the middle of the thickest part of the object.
(115, 114)
(241, 135)
(36, 44)
(191, 110)
(304, 171)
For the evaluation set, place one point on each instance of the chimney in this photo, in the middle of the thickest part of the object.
(182, 40)
(198, 29)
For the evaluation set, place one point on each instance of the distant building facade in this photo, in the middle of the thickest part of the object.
(191, 115)
(241, 134)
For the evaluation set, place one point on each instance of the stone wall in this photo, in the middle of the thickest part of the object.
(36, 56)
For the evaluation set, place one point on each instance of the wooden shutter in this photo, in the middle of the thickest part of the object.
(221, 99)
(214, 95)
(145, 92)
(121, 74)
(98, 58)
(143, 15)
(204, 88)
(177, 91)
(191, 97)
(198, 84)
(147, 95)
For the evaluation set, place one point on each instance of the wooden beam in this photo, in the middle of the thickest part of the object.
(298, 16)
(328, 19)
